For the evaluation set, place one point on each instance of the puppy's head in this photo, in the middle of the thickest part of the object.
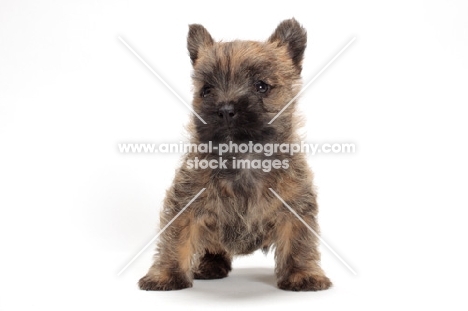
(240, 86)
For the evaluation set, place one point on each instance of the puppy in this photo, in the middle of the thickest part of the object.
(239, 87)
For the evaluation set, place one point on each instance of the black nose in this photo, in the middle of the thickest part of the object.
(226, 112)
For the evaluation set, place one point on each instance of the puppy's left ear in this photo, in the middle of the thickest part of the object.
(291, 34)
(198, 37)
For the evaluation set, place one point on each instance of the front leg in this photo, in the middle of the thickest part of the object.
(172, 267)
(297, 255)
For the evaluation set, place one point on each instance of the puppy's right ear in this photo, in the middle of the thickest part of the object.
(198, 37)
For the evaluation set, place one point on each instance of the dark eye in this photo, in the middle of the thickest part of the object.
(261, 87)
(205, 91)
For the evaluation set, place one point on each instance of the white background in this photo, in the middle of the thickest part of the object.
(73, 211)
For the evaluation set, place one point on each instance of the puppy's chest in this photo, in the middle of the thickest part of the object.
(242, 217)
(242, 231)
(239, 188)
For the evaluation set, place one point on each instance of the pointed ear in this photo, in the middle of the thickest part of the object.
(291, 34)
(198, 37)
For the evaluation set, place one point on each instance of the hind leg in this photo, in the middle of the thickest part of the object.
(213, 265)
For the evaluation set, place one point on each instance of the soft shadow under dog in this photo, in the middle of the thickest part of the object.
(241, 283)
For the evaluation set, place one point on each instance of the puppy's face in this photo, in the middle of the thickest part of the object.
(240, 86)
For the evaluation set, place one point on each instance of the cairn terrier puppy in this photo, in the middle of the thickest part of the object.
(239, 87)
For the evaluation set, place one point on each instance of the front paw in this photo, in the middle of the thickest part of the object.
(173, 282)
(304, 282)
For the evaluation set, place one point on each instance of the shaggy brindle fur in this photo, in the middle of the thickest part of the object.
(239, 87)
